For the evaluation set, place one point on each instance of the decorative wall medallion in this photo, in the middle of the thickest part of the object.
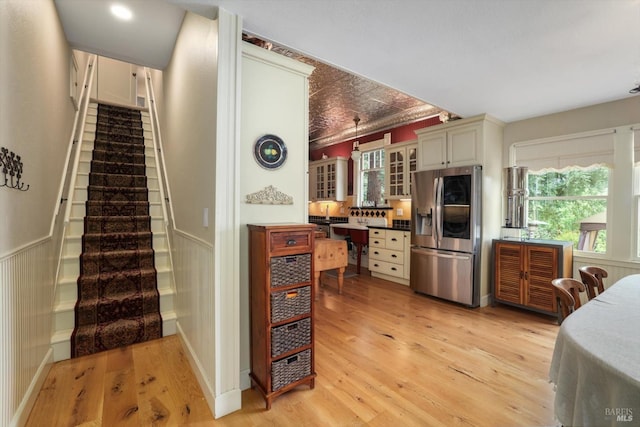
(269, 195)
(270, 151)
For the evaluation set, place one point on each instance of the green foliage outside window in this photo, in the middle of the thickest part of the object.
(372, 177)
(560, 201)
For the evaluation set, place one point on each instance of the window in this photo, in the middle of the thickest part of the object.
(570, 205)
(372, 177)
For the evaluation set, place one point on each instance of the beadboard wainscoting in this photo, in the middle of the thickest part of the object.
(616, 270)
(26, 293)
(195, 294)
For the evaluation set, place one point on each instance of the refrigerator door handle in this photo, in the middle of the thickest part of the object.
(462, 257)
(438, 204)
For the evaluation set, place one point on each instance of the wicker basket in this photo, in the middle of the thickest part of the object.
(288, 304)
(290, 336)
(290, 369)
(289, 270)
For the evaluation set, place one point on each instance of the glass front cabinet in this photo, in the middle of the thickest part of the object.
(401, 160)
(328, 179)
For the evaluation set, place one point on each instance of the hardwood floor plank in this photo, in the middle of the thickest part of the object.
(384, 357)
(120, 390)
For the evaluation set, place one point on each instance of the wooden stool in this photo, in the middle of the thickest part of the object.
(329, 254)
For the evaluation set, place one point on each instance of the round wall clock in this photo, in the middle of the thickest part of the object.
(270, 151)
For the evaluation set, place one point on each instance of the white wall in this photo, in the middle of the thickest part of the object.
(275, 92)
(188, 121)
(601, 116)
(36, 117)
(199, 132)
(189, 127)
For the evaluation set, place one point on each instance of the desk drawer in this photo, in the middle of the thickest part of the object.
(290, 242)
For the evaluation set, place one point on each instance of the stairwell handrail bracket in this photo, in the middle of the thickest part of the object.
(159, 157)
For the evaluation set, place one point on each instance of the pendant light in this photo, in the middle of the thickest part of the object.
(355, 156)
(356, 120)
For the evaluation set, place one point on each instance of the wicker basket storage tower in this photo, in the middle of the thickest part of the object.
(281, 301)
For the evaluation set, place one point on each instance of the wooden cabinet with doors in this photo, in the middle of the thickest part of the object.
(401, 159)
(523, 271)
(328, 179)
(281, 303)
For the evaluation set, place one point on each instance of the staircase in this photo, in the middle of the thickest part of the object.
(68, 278)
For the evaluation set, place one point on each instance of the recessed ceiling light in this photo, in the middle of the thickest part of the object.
(121, 12)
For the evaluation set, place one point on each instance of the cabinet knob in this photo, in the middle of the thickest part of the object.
(291, 242)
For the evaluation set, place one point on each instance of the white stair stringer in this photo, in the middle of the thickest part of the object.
(66, 293)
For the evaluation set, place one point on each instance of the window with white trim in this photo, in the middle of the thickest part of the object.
(372, 177)
(569, 190)
(570, 205)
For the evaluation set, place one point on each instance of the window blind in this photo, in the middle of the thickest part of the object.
(582, 150)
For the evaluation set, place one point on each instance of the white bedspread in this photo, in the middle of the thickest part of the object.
(596, 360)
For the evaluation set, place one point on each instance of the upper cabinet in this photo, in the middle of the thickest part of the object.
(401, 160)
(328, 179)
(457, 143)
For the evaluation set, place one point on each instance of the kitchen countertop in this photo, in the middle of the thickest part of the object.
(344, 220)
(390, 228)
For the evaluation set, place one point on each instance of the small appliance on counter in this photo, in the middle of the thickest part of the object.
(516, 193)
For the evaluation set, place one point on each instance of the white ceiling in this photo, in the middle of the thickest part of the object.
(513, 59)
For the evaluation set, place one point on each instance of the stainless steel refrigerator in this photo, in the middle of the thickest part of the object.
(446, 233)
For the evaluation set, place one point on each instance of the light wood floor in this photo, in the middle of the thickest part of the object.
(384, 357)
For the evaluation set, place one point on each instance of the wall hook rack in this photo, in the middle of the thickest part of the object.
(11, 165)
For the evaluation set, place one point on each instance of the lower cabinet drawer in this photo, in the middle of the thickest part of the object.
(384, 267)
(386, 255)
(290, 369)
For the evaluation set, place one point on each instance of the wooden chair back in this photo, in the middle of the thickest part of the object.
(592, 278)
(567, 294)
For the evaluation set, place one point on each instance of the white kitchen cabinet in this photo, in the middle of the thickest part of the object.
(389, 255)
(328, 179)
(401, 160)
(459, 143)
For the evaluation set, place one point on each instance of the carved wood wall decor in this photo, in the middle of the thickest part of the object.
(269, 195)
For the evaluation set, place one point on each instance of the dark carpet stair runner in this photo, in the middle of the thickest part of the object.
(118, 300)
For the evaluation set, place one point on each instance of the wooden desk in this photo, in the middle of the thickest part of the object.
(329, 254)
